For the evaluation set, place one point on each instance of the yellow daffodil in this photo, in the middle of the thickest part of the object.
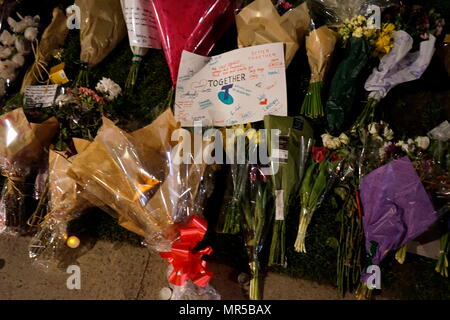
(388, 28)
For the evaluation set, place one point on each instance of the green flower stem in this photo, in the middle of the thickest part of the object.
(312, 104)
(442, 264)
(133, 74)
(367, 116)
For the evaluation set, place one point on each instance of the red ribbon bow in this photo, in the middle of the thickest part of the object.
(187, 263)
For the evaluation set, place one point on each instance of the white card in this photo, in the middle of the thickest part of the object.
(236, 87)
(40, 96)
(279, 205)
(141, 23)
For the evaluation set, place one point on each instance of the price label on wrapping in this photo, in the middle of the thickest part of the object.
(57, 74)
(281, 154)
(279, 205)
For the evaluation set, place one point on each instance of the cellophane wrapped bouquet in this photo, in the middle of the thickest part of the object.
(65, 203)
(152, 182)
(23, 148)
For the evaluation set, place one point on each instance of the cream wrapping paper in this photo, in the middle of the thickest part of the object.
(102, 28)
(259, 23)
(319, 48)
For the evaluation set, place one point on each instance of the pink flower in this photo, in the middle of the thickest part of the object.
(286, 5)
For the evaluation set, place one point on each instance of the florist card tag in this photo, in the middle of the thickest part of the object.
(141, 23)
(236, 87)
(40, 96)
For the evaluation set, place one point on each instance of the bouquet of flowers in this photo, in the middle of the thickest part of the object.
(257, 219)
(322, 172)
(397, 209)
(414, 34)
(396, 67)
(80, 109)
(230, 220)
(360, 36)
(15, 46)
(142, 33)
(320, 44)
(288, 159)
(102, 27)
(52, 38)
(250, 211)
(319, 47)
(154, 196)
(65, 204)
(23, 146)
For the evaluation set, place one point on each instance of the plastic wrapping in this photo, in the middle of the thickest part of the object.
(396, 206)
(194, 26)
(344, 86)
(259, 23)
(320, 176)
(347, 9)
(65, 204)
(396, 67)
(349, 218)
(22, 146)
(251, 208)
(295, 142)
(257, 210)
(190, 291)
(149, 193)
(230, 220)
(142, 33)
(154, 182)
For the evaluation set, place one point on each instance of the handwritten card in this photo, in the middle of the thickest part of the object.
(40, 96)
(236, 87)
(141, 24)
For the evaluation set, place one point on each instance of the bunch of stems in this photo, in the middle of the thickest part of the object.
(312, 104)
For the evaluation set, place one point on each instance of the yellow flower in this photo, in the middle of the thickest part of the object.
(369, 33)
(388, 28)
(358, 33)
(384, 44)
(360, 19)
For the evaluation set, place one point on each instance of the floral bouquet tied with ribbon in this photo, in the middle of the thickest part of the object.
(143, 177)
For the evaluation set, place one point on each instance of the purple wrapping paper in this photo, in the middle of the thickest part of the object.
(396, 207)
